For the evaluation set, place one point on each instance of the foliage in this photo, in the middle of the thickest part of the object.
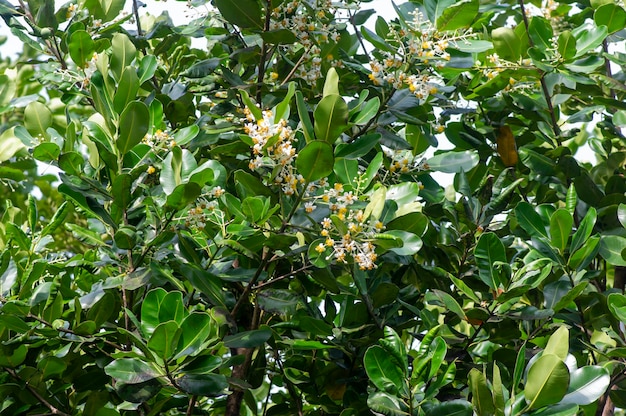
(260, 225)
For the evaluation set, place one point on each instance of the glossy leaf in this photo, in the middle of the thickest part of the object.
(315, 161)
(488, 251)
(481, 395)
(561, 223)
(547, 382)
(330, 118)
(248, 339)
(131, 370)
(133, 126)
(453, 162)
(587, 384)
(382, 370)
(243, 13)
(196, 328)
(459, 15)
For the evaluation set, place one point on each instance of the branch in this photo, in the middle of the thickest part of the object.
(136, 13)
(544, 86)
(34, 392)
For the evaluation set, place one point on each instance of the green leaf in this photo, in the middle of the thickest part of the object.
(46, 152)
(383, 370)
(393, 344)
(211, 385)
(456, 407)
(454, 162)
(450, 303)
(584, 230)
(305, 119)
(126, 89)
(584, 255)
(533, 273)
(248, 339)
(589, 38)
(196, 328)
(612, 16)
(10, 144)
(315, 160)
(617, 305)
(123, 53)
(367, 113)
(411, 243)
(282, 109)
(386, 404)
(134, 124)
(57, 219)
(37, 119)
(473, 46)
(121, 190)
(481, 395)
(558, 344)
(435, 8)
(8, 88)
(561, 223)
(529, 220)
(506, 43)
(150, 308)
(611, 248)
(164, 339)
(243, 13)
(540, 31)
(331, 83)
(147, 68)
(488, 251)
(566, 45)
(570, 296)
(131, 370)
(277, 301)
(548, 379)
(459, 15)
(81, 47)
(8, 278)
(587, 384)
(330, 118)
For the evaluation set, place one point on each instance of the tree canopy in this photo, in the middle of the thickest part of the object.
(245, 214)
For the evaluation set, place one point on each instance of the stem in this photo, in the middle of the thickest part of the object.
(31, 390)
(192, 405)
(279, 278)
(262, 61)
(544, 86)
(296, 66)
(136, 13)
(358, 34)
(607, 65)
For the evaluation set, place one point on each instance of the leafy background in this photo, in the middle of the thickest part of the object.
(258, 226)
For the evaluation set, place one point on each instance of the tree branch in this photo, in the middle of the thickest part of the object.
(34, 392)
(544, 87)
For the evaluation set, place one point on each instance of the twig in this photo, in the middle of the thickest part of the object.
(136, 13)
(192, 404)
(279, 278)
(262, 61)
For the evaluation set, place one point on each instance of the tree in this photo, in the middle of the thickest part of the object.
(257, 226)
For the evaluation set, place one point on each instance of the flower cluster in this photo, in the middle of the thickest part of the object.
(159, 139)
(310, 33)
(272, 148)
(353, 240)
(403, 161)
(205, 210)
(351, 236)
